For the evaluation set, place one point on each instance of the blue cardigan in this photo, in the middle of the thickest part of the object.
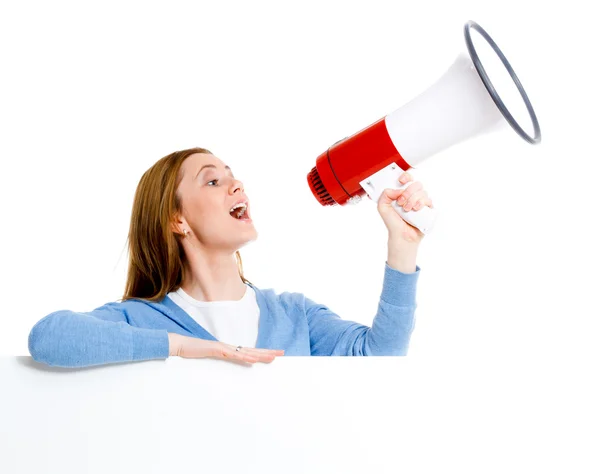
(135, 330)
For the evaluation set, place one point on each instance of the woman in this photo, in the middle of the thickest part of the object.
(186, 294)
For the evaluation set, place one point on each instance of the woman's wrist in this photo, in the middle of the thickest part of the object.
(174, 343)
(402, 256)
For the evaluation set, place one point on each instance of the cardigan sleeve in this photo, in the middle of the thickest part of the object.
(391, 328)
(70, 339)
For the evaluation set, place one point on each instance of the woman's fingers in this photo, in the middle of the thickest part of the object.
(414, 198)
(266, 351)
(252, 354)
(423, 202)
(411, 195)
(260, 355)
(405, 177)
(193, 347)
(229, 353)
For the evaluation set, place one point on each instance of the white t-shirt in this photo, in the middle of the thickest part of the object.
(232, 322)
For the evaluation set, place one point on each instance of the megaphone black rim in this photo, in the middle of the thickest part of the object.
(490, 87)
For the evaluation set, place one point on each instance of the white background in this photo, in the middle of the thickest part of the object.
(92, 94)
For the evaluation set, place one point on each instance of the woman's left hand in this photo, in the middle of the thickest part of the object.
(413, 197)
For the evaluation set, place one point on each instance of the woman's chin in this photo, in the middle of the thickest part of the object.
(247, 235)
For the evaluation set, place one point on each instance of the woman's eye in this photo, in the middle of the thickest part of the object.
(212, 181)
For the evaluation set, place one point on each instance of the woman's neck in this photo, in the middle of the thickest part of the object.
(212, 277)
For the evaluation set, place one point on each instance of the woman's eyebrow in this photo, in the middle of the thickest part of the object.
(213, 166)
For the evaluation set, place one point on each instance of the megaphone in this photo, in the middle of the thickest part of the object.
(463, 103)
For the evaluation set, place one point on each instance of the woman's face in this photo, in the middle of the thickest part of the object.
(208, 191)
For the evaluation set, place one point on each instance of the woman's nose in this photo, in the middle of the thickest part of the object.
(235, 185)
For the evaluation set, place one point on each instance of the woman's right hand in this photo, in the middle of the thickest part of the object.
(195, 348)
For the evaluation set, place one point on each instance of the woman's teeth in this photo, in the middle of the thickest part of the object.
(238, 210)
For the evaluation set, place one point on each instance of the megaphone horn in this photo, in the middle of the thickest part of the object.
(460, 105)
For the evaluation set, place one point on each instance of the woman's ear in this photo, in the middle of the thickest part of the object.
(178, 223)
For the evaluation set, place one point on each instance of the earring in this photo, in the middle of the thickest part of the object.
(185, 232)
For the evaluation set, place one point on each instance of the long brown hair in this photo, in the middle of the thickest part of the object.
(156, 255)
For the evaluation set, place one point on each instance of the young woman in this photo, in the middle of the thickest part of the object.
(186, 294)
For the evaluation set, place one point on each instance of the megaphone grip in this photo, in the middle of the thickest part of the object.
(423, 219)
(387, 177)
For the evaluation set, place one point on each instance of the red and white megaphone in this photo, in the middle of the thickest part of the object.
(463, 103)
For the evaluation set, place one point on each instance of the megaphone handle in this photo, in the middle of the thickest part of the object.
(423, 219)
(387, 177)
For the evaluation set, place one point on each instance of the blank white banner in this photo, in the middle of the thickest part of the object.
(185, 415)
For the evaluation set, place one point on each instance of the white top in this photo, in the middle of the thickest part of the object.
(232, 321)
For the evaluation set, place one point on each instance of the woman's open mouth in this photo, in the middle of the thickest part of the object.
(240, 212)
